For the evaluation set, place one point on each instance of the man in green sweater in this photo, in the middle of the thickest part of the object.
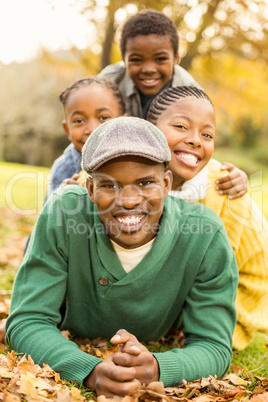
(124, 254)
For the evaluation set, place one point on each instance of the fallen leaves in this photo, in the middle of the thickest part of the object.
(23, 380)
(204, 390)
(4, 307)
(95, 347)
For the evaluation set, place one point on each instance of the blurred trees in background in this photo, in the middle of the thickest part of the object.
(205, 27)
(223, 44)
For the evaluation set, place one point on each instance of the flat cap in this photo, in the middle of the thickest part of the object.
(121, 137)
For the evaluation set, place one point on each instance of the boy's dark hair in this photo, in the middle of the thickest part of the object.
(160, 103)
(64, 96)
(149, 22)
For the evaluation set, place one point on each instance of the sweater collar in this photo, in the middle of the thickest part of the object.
(193, 190)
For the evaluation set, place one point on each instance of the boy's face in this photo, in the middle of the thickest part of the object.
(87, 108)
(189, 127)
(129, 195)
(150, 61)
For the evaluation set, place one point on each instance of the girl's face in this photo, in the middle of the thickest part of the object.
(87, 108)
(189, 127)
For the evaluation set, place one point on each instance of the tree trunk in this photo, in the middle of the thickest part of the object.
(108, 41)
(208, 19)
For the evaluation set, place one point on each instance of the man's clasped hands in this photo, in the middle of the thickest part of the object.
(124, 371)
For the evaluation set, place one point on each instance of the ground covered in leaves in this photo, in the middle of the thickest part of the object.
(23, 380)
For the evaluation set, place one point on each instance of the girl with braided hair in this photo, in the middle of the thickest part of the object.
(87, 103)
(187, 118)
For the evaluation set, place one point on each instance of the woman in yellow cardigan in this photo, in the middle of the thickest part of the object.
(186, 116)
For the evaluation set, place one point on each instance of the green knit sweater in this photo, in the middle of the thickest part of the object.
(190, 274)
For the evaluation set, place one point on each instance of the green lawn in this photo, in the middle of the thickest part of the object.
(22, 187)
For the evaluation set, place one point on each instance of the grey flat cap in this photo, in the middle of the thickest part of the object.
(121, 137)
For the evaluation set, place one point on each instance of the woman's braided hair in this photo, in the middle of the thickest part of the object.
(160, 103)
(64, 96)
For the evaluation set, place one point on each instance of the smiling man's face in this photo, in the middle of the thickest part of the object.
(129, 195)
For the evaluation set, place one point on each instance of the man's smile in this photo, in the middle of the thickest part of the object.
(130, 222)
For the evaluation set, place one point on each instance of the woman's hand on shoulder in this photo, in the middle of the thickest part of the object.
(235, 184)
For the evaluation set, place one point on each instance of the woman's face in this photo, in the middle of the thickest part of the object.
(189, 127)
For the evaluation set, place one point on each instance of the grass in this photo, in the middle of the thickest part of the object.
(25, 188)
(254, 358)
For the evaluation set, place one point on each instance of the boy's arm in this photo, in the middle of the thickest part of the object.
(38, 295)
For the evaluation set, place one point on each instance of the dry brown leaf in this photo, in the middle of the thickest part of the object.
(258, 390)
(5, 373)
(174, 391)
(26, 387)
(204, 398)
(236, 380)
(7, 397)
(11, 359)
(3, 361)
(27, 365)
(76, 395)
(63, 395)
(103, 398)
(49, 373)
(111, 351)
(37, 382)
(260, 397)
(233, 394)
(264, 381)
(127, 398)
(157, 386)
(66, 334)
(236, 369)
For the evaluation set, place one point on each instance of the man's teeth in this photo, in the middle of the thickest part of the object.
(189, 157)
(130, 220)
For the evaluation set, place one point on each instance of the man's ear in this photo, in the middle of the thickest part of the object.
(168, 179)
(90, 188)
(176, 59)
(66, 129)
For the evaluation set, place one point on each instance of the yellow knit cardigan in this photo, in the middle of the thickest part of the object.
(247, 230)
